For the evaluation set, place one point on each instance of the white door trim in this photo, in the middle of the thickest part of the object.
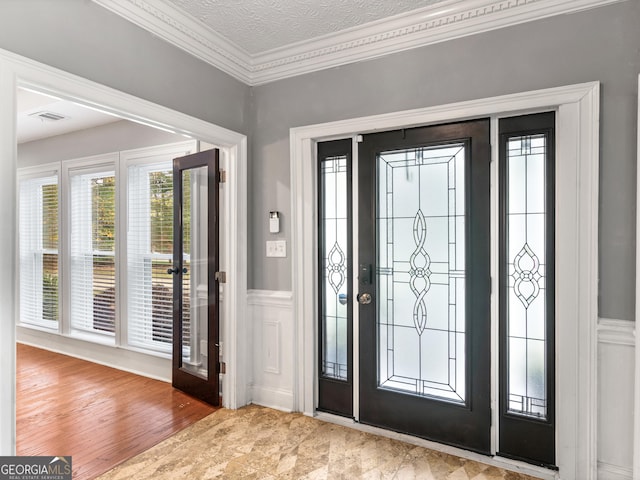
(577, 249)
(15, 71)
(636, 433)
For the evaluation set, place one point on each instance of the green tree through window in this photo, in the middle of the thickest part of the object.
(103, 192)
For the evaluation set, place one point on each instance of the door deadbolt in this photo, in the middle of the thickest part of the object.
(364, 298)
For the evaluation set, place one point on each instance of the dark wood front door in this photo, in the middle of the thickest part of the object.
(424, 282)
(196, 367)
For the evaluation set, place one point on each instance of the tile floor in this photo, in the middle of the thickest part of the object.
(261, 443)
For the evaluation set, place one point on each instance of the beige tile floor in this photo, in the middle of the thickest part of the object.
(260, 443)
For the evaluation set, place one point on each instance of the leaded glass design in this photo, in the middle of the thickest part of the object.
(333, 171)
(421, 271)
(526, 281)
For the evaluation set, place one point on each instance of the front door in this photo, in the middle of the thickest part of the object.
(424, 282)
(196, 367)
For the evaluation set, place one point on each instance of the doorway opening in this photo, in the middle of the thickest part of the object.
(19, 72)
(576, 108)
(424, 285)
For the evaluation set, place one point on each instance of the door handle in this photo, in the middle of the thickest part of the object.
(176, 270)
(364, 298)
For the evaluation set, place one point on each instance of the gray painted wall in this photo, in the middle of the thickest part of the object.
(81, 37)
(600, 44)
(109, 138)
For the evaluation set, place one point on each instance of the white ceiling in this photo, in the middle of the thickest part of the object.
(257, 26)
(76, 117)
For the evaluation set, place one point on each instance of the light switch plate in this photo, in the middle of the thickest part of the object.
(276, 248)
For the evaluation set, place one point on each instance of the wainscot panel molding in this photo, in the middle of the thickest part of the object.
(616, 357)
(271, 346)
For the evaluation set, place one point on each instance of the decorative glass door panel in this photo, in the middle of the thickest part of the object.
(335, 388)
(334, 351)
(527, 285)
(421, 271)
(526, 275)
(424, 282)
(195, 287)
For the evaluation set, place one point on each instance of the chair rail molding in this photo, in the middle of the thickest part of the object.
(443, 21)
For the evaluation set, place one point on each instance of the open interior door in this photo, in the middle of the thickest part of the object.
(196, 366)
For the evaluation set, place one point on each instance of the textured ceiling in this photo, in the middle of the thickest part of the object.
(261, 25)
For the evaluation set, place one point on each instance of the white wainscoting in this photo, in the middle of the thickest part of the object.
(616, 359)
(271, 346)
(272, 343)
(270, 350)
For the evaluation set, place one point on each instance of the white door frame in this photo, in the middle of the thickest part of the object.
(577, 137)
(16, 71)
(636, 434)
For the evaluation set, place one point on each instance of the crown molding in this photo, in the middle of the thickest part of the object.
(437, 23)
(173, 25)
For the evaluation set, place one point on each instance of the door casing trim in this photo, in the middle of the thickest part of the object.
(15, 71)
(577, 108)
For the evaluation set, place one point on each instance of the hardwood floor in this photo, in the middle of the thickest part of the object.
(99, 415)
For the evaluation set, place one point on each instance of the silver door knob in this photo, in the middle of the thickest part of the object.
(364, 298)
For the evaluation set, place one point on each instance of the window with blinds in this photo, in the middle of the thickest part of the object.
(92, 251)
(149, 255)
(38, 250)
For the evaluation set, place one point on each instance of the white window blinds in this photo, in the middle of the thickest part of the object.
(149, 255)
(38, 247)
(92, 242)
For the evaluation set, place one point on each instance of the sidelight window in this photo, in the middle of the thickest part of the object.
(334, 262)
(334, 266)
(527, 275)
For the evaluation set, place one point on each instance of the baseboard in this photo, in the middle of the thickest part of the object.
(607, 471)
(122, 359)
(278, 399)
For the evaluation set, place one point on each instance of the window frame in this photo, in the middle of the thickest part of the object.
(34, 173)
(139, 157)
(119, 163)
(87, 165)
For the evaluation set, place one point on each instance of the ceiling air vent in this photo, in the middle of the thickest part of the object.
(48, 116)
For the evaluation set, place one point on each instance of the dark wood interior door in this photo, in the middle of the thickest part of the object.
(424, 282)
(196, 366)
